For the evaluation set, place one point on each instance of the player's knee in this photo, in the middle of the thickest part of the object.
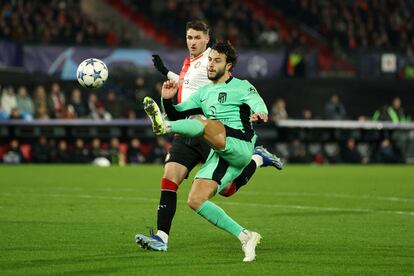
(195, 201)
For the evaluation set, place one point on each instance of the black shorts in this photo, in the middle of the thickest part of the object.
(188, 152)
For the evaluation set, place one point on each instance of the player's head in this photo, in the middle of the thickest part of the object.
(198, 36)
(221, 60)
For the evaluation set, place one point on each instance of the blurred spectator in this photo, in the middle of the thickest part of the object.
(334, 109)
(138, 92)
(8, 100)
(113, 105)
(101, 113)
(52, 150)
(279, 110)
(15, 114)
(24, 103)
(295, 64)
(349, 152)
(13, 155)
(115, 155)
(80, 152)
(56, 102)
(386, 153)
(298, 152)
(159, 151)
(92, 102)
(381, 114)
(307, 114)
(396, 112)
(40, 103)
(135, 154)
(77, 104)
(41, 151)
(97, 150)
(62, 154)
(269, 36)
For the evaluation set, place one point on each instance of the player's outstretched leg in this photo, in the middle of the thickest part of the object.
(261, 158)
(268, 158)
(211, 131)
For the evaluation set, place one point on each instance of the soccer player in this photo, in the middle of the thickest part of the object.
(185, 152)
(230, 106)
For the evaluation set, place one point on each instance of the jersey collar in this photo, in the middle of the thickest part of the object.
(201, 55)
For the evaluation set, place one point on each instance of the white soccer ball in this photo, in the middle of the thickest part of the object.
(92, 73)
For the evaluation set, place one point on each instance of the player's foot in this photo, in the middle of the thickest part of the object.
(151, 242)
(269, 159)
(249, 245)
(159, 125)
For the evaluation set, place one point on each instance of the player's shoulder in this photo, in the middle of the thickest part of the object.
(241, 83)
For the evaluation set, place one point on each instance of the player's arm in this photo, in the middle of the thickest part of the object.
(256, 103)
(191, 106)
(159, 65)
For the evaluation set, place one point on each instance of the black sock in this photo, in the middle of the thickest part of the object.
(166, 210)
(246, 174)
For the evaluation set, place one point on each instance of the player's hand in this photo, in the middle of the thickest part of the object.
(159, 65)
(259, 118)
(169, 89)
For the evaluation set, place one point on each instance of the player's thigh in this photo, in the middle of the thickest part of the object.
(183, 156)
(214, 134)
(217, 169)
(237, 153)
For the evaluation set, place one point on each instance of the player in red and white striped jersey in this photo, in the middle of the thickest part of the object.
(185, 153)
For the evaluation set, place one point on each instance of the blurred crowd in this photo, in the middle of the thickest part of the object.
(228, 20)
(53, 22)
(334, 109)
(84, 151)
(51, 102)
(376, 24)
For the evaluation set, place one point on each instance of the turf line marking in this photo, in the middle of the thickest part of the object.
(334, 195)
(298, 207)
(328, 195)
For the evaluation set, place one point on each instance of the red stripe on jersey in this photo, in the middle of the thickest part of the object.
(184, 70)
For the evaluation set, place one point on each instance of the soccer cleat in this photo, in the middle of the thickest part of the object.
(249, 245)
(269, 159)
(159, 125)
(151, 242)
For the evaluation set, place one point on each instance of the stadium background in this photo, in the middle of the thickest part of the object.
(299, 54)
(315, 219)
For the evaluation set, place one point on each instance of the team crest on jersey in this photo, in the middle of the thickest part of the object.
(197, 64)
(222, 97)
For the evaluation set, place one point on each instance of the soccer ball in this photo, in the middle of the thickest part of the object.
(92, 73)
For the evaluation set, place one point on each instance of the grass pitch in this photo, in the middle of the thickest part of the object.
(314, 220)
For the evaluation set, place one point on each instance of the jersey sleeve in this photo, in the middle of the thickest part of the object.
(173, 76)
(253, 99)
(191, 106)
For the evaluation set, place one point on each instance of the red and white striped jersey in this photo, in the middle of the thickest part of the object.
(193, 75)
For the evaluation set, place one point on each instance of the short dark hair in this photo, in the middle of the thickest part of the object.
(198, 25)
(227, 49)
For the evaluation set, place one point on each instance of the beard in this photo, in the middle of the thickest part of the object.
(217, 76)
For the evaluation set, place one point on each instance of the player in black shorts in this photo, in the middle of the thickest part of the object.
(186, 153)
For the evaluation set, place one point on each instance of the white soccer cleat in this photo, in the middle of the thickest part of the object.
(249, 245)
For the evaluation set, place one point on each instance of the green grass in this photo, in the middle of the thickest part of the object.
(314, 221)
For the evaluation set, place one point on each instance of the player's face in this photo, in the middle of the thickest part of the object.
(217, 65)
(196, 42)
